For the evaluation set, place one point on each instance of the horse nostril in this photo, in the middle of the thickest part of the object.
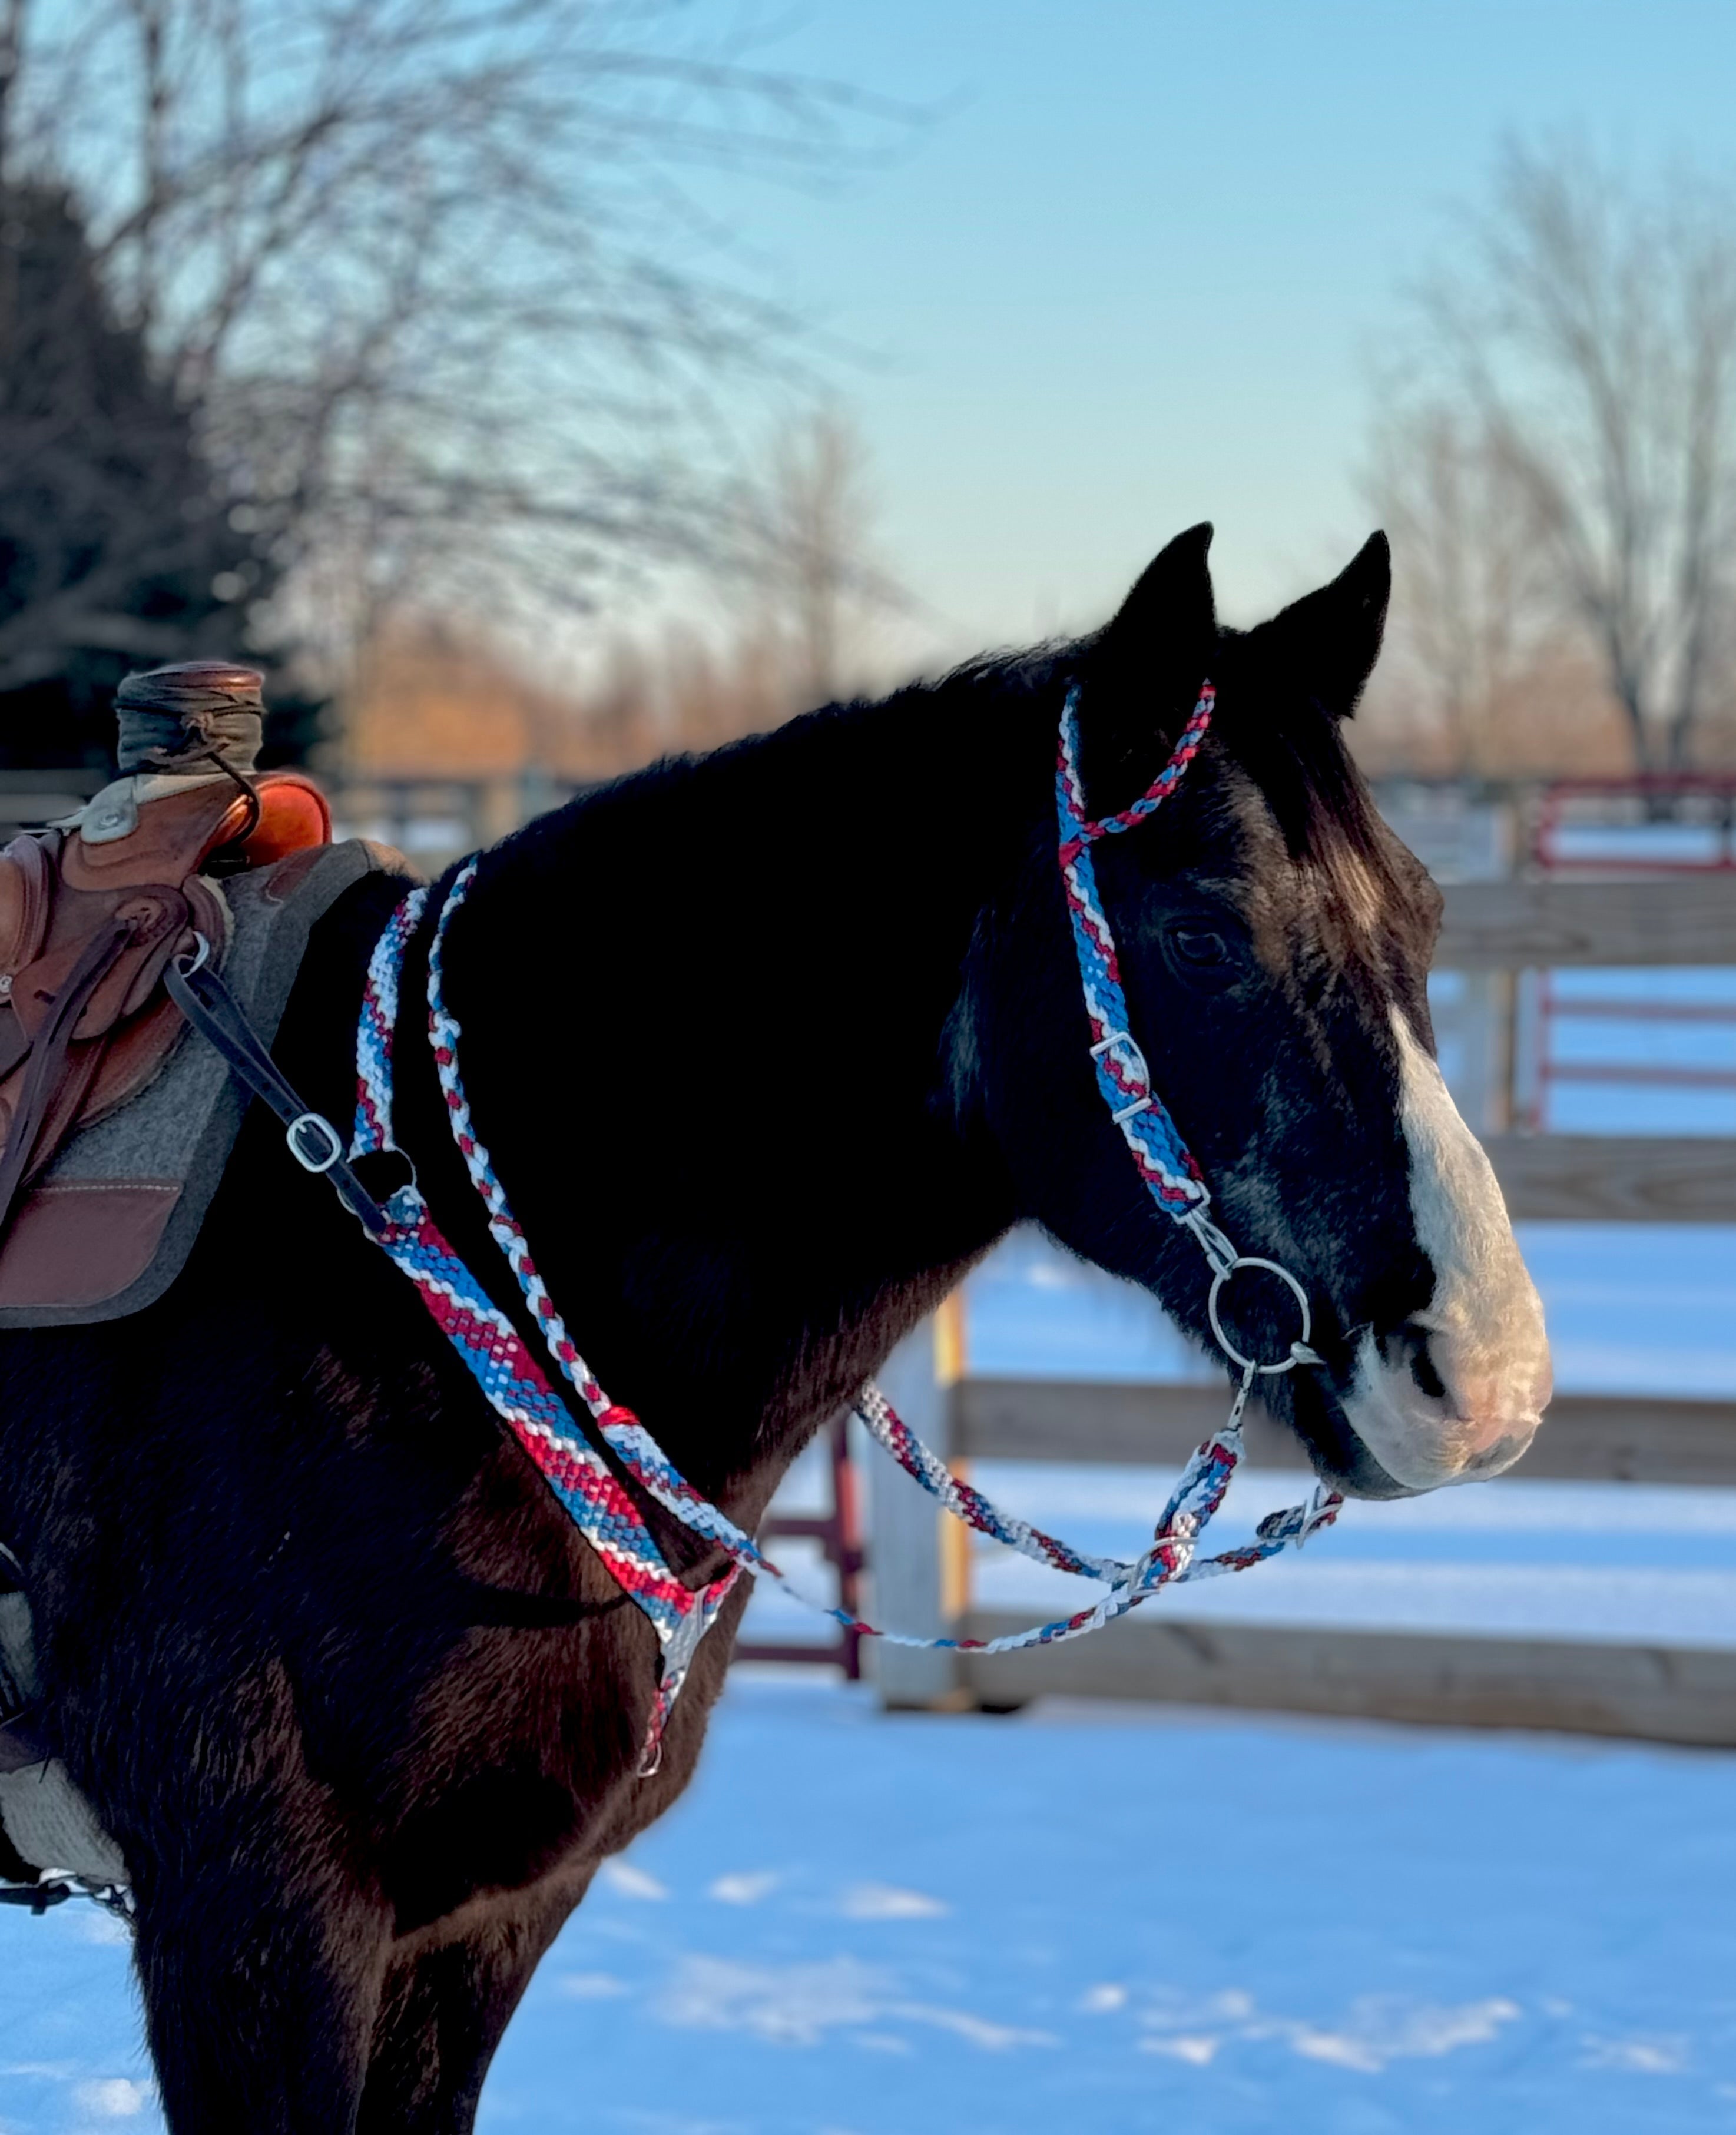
(1408, 1346)
(1423, 1371)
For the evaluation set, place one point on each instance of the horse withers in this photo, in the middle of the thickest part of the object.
(769, 1046)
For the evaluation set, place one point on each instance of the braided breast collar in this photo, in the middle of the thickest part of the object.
(593, 1472)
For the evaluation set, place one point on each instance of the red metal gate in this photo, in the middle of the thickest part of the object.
(1604, 826)
(838, 1532)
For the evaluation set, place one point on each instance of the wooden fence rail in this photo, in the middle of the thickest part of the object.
(1555, 924)
(1662, 1692)
(1616, 1179)
(1586, 1438)
(1667, 1693)
(1657, 1694)
(1514, 926)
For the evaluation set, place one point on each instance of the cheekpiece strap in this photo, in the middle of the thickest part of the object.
(1123, 1074)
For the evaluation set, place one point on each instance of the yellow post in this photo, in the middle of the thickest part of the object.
(951, 1361)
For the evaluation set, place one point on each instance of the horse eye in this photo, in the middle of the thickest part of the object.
(1199, 946)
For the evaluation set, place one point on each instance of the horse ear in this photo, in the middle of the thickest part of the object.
(1145, 666)
(1333, 636)
(1171, 613)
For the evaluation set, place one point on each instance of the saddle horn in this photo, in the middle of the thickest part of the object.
(191, 714)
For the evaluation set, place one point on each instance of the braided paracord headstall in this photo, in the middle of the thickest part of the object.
(584, 1475)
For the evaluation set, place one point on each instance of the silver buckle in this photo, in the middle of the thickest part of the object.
(1139, 1069)
(316, 1123)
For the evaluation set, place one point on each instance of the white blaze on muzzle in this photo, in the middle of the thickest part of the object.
(1481, 1335)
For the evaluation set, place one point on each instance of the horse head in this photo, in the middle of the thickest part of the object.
(1275, 938)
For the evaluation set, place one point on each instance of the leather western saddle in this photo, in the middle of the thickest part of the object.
(92, 911)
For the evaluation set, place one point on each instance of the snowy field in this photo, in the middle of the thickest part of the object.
(859, 1925)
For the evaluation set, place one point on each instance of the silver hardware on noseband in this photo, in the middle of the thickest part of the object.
(1138, 1067)
(1226, 1263)
(1216, 1247)
(1299, 1352)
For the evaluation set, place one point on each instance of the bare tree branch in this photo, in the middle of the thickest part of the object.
(1587, 343)
(428, 274)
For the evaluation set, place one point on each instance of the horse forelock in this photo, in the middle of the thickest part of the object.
(1326, 882)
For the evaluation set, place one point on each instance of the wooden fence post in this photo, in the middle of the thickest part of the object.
(1474, 1024)
(912, 1568)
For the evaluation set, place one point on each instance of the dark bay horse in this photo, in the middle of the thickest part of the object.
(769, 1046)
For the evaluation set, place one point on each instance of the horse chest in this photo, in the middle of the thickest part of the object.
(520, 1766)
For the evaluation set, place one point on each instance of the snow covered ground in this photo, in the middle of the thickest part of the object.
(861, 1925)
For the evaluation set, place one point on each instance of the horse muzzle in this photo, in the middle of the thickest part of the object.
(1431, 1408)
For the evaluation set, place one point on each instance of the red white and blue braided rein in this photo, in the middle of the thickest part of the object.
(512, 1377)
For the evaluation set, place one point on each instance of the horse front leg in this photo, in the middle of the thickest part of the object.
(443, 2010)
(261, 1970)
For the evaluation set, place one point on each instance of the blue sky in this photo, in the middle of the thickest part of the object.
(1134, 275)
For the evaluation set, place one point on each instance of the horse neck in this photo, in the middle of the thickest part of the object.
(704, 1017)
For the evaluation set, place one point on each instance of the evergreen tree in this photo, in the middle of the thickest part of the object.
(118, 548)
